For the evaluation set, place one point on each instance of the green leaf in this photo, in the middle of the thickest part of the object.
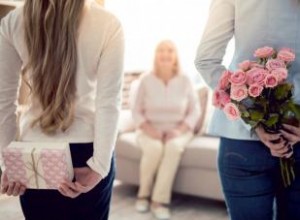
(283, 91)
(287, 106)
(245, 114)
(296, 109)
(273, 119)
(252, 123)
(256, 115)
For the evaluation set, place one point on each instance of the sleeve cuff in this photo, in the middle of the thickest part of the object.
(139, 122)
(98, 167)
(2, 167)
(190, 123)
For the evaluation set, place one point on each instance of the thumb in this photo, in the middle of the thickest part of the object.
(4, 177)
(4, 180)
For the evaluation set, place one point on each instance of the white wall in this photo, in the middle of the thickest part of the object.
(146, 22)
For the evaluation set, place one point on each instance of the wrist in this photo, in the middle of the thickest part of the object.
(144, 125)
(95, 173)
(183, 128)
(95, 166)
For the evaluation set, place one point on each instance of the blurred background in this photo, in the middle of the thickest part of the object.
(146, 22)
(197, 192)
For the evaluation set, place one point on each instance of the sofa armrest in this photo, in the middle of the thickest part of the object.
(126, 123)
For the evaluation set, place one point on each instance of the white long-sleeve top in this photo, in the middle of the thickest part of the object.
(100, 49)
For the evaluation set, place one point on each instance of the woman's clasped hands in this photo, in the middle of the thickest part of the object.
(85, 180)
(280, 144)
(148, 129)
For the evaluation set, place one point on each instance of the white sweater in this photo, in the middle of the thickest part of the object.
(99, 80)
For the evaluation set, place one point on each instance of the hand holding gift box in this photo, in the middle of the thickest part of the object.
(38, 165)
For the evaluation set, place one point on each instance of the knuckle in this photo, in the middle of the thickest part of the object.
(265, 142)
(273, 146)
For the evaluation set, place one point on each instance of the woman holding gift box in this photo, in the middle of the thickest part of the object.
(249, 166)
(165, 110)
(71, 52)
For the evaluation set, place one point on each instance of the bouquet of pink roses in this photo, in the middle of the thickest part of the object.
(259, 94)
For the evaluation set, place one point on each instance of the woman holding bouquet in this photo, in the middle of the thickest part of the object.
(166, 110)
(71, 52)
(249, 165)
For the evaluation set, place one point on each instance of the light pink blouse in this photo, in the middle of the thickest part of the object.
(165, 106)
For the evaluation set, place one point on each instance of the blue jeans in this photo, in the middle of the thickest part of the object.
(51, 205)
(252, 183)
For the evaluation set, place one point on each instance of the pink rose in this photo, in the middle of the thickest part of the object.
(224, 80)
(245, 65)
(286, 55)
(255, 90)
(273, 64)
(264, 52)
(271, 81)
(238, 78)
(281, 74)
(256, 65)
(256, 76)
(216, 99)
(224, 99)
(238, 93)
(220, 98)
(232, 112)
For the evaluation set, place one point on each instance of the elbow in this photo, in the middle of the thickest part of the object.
(203, 59)
(203, 67)
(199, 62)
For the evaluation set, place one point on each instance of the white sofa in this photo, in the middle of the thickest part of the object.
(197, 174)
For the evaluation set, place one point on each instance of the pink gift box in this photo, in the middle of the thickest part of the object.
(38, 165)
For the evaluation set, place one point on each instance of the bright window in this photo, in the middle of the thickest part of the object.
(146, 22)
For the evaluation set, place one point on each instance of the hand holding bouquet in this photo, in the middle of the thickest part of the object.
(259, 94)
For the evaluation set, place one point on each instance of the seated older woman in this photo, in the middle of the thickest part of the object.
(165, 111)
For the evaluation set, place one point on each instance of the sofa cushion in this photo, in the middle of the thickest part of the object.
(201, 151)
(127, 147)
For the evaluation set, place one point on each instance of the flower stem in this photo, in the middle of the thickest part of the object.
(287, 171)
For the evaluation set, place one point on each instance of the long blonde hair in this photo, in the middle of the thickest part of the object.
(172, 46)
(51, 29)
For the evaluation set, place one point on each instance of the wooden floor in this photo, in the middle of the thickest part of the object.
(183, 207)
